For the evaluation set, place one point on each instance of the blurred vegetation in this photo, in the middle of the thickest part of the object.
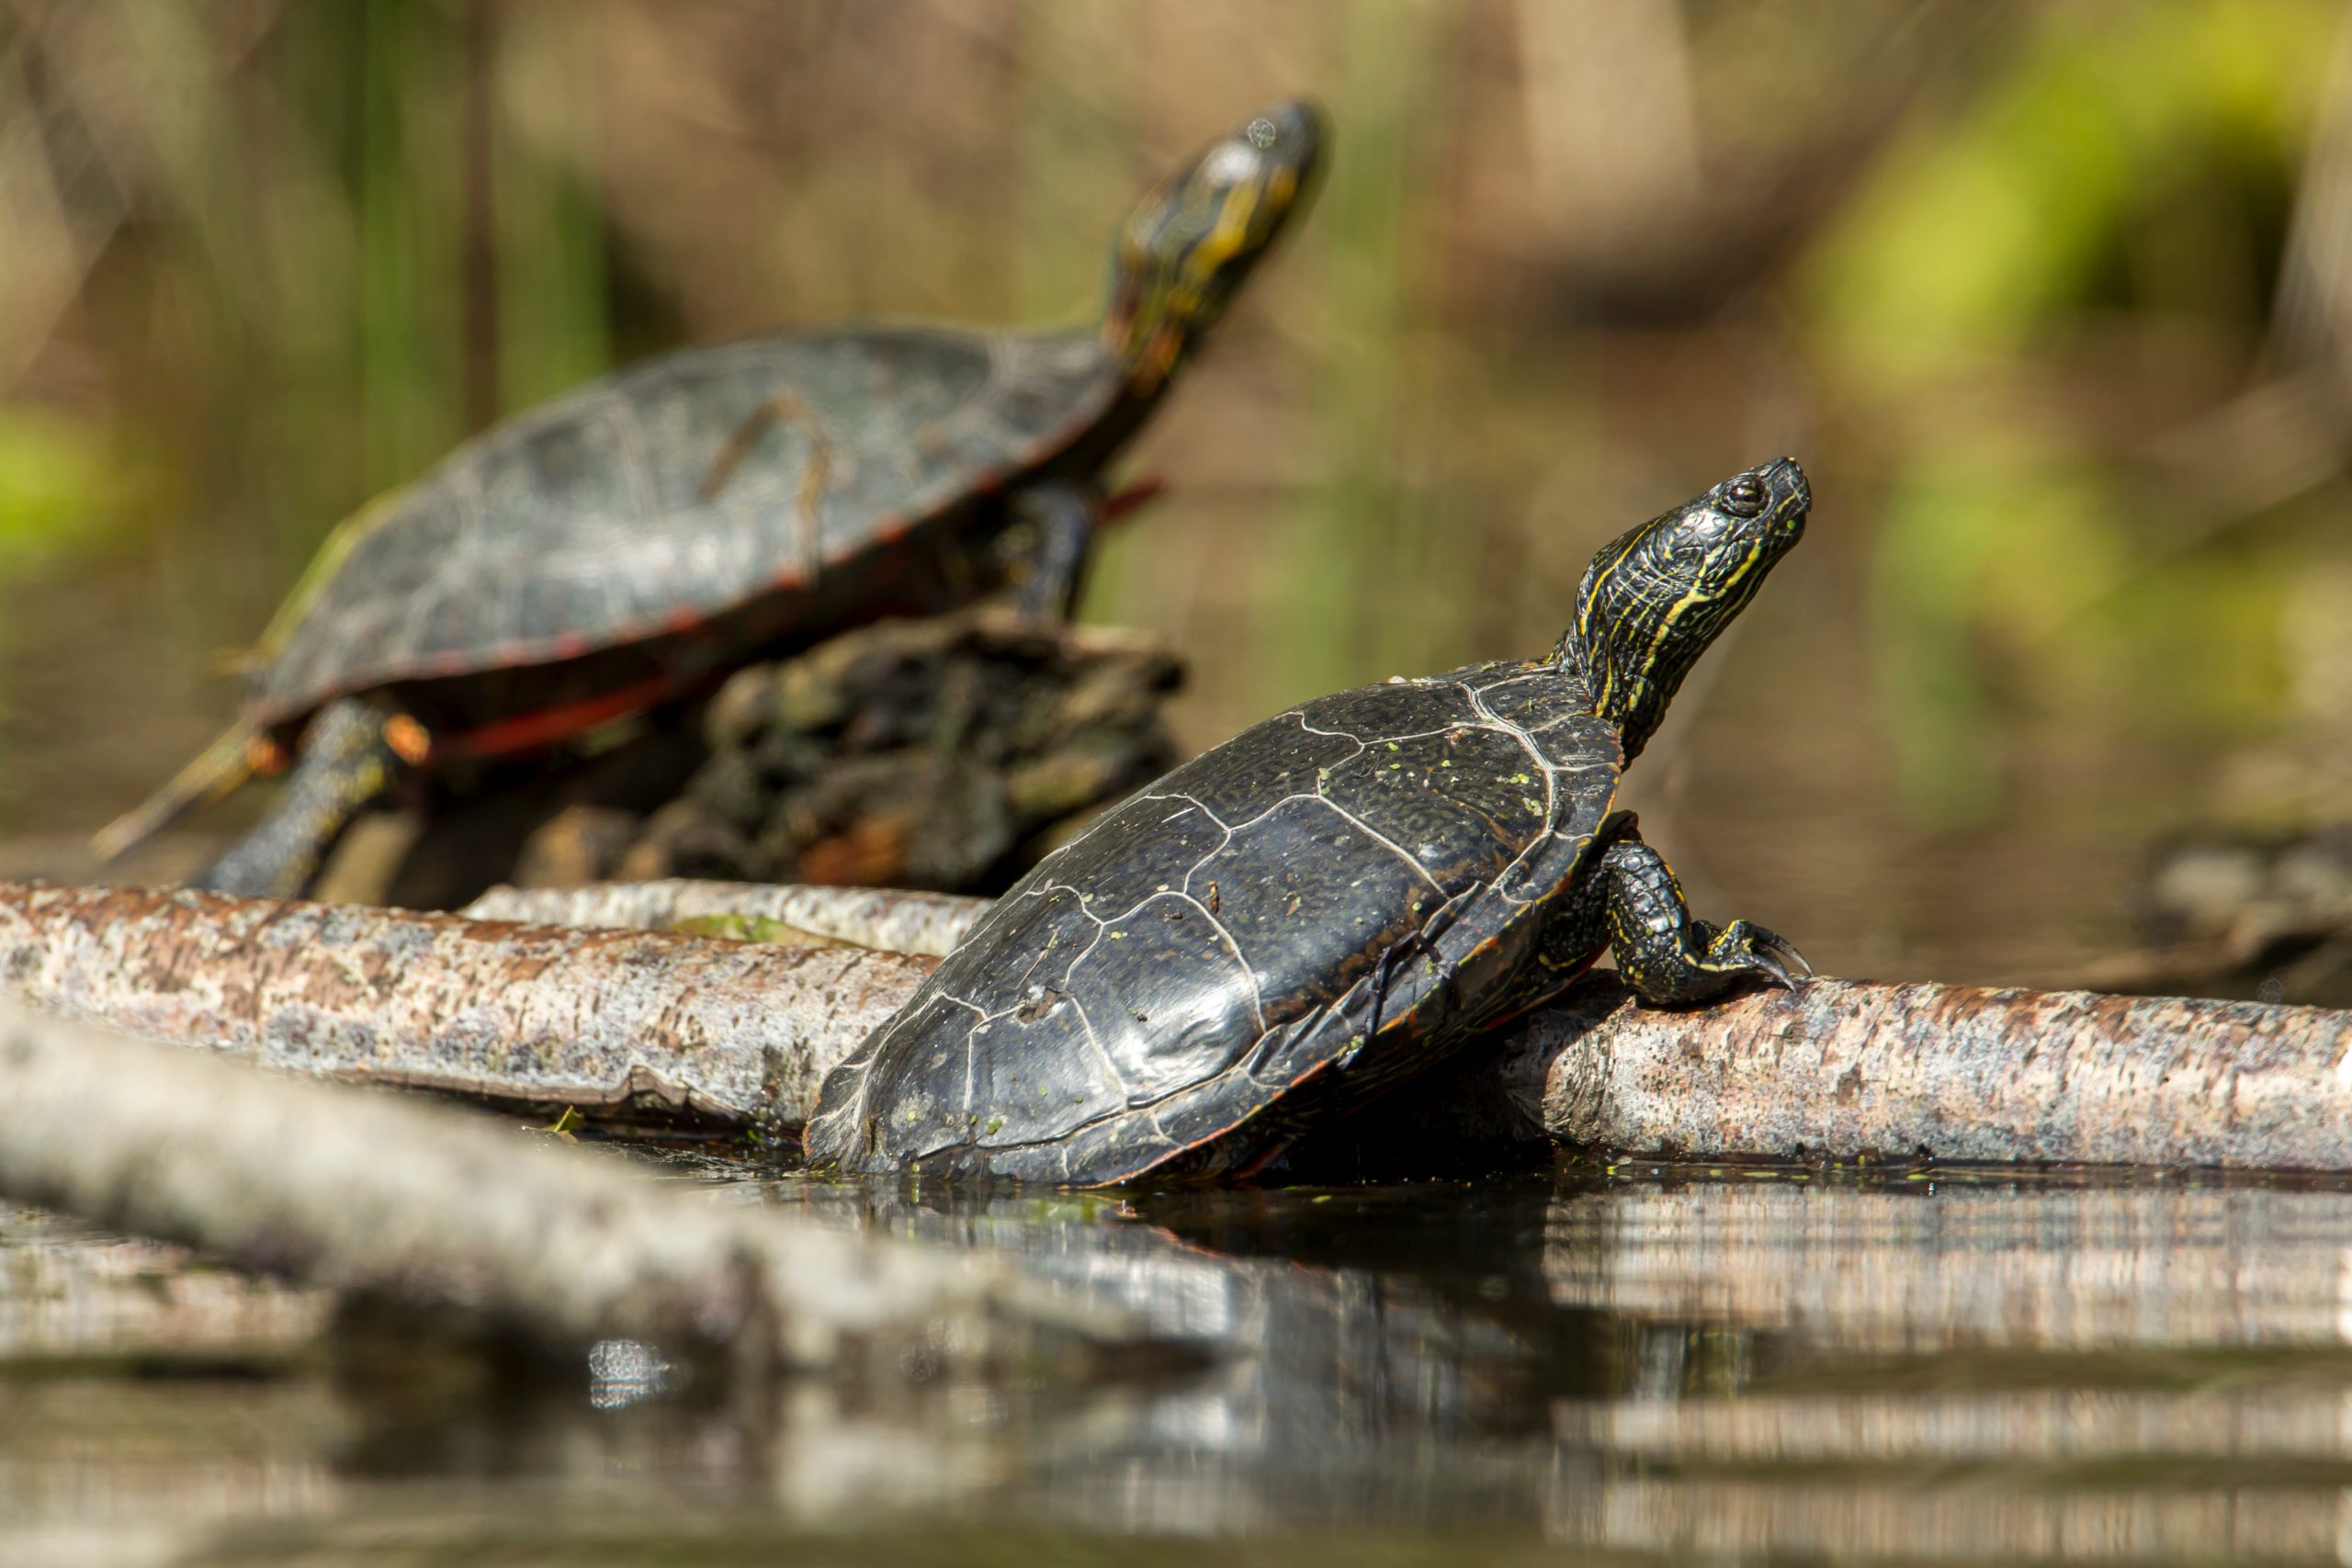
(2054, 301)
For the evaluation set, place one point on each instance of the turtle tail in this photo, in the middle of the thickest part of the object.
(217, 770)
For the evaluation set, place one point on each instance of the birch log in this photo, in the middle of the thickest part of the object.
(745, 1032)
(1842, 1068)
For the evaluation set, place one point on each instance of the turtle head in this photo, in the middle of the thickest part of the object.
(1193, 239)
(1651, 602)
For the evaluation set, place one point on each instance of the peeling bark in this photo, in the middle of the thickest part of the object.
(326, 1185)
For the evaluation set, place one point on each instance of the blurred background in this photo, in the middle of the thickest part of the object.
(2055, 301)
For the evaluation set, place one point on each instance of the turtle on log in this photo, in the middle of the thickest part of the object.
(627, 545)
(1329, 902)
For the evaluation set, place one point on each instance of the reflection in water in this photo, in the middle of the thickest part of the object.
(1600, 1370)
(1920, 1266)
(1980, 1373)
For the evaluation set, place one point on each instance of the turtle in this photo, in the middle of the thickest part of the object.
(626, 545)
(1329, 902)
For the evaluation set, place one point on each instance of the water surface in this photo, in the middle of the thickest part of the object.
(1569, 1366)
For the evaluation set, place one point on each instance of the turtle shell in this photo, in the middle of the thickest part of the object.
(1328, 902)
(592, 523)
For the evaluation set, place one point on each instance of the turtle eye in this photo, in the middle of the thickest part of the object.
(1744, 497)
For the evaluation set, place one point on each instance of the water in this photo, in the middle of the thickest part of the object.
(1567, 1366)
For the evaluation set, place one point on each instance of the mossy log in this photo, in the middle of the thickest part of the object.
(926, 923)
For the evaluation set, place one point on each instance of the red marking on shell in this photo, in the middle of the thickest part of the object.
(1132, 499)
(536, 731)
(685, 619)
(891, 529)
(570, 645)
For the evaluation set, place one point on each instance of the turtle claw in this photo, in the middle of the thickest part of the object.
(1759, 950)
(1778, 946)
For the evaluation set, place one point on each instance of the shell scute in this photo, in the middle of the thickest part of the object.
(1053, 928)
(588, 466)
(1462, 802)
(1286, 758)
(1383, 713)
(1166, 838)
(1313, 898)
(1170, 1001)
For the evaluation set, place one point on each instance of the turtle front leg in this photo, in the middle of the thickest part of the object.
(346, 763)
(1049, 550)
(1634, 906)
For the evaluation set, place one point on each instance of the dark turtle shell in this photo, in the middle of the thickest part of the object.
(1323, 904)
(586, 524)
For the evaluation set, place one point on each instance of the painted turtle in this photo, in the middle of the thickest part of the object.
(627, 543)
(1328, 902)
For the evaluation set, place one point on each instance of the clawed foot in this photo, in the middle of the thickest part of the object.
(1745, 948)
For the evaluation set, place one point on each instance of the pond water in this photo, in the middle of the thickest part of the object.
(1566, 1366)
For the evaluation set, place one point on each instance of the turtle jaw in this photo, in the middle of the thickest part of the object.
(1655, 599)
(1186, 247)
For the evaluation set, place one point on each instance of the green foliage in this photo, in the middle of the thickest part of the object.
(60, 484)
(1362, 559)
(2132, 159)
(1978, 231)
(2062, 246)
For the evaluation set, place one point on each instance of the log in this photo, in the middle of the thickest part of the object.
(1940, 1072)
(639, 1023)
(75, 1293)
(1842, 1069)
(327, 1185)
(743, 1033)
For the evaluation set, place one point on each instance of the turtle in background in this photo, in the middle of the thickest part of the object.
(1329, 902)
(625, 546)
